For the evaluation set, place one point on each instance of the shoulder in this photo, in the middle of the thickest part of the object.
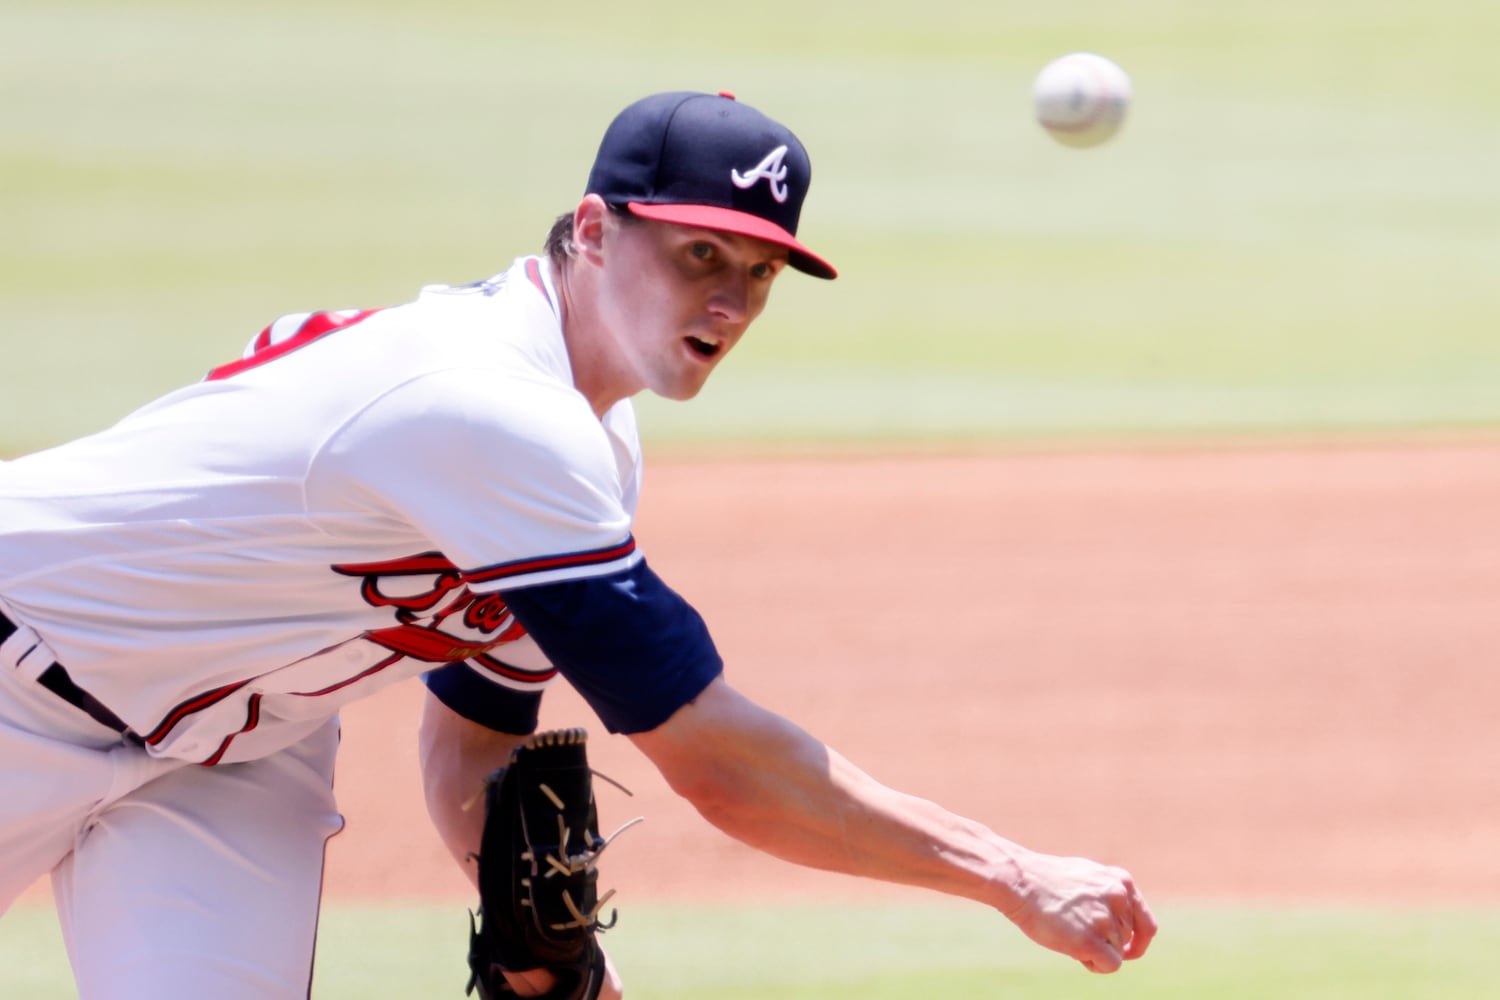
(472, 413)
(625, 441)
(490, 468)
(620, 424)
(524, 289)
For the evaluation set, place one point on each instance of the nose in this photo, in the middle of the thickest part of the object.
(730, 301)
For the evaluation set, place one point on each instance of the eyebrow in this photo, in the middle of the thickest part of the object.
(779, 253)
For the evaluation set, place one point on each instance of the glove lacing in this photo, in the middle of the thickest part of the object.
(574, 864)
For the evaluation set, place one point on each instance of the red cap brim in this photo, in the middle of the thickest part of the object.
(727, 220)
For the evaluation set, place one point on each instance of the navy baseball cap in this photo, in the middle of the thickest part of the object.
(707, 160)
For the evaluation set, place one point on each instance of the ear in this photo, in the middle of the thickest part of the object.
(588, 227)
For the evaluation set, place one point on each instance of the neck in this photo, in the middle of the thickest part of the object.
(597, 373)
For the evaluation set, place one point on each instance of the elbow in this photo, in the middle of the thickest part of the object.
(717, 796)
(721, 811)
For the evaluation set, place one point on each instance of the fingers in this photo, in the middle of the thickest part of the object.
(1119, 935)
(1138, 924)
(1102, 950)
(1125, 932)
(532, 983)
(1143, 927)
(1104, 958)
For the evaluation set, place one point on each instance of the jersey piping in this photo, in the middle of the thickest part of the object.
(530, 572)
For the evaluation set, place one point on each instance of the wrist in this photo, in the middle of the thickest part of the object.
(1009, 881)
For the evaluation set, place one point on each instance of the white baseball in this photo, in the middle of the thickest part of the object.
(1081, 98)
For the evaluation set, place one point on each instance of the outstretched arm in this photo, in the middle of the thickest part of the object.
(766, 782)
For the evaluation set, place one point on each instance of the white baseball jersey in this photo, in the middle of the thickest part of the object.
(337, 511)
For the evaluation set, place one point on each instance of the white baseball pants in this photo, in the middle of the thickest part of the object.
(171, 880)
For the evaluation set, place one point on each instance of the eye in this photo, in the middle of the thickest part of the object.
(702, 250)
(767, 269)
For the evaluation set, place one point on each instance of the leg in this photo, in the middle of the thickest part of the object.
(56, 767)
(204, 882)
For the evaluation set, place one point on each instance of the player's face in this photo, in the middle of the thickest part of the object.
(683, 297)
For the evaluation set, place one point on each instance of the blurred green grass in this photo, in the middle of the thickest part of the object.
(1297, 229)
(888, 952)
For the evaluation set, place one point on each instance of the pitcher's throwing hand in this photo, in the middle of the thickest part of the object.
(1083, 909)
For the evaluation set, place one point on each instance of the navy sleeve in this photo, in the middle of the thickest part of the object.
(478, 700)
(633, 648)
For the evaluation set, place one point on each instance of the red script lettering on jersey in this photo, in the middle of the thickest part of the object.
(442, 621)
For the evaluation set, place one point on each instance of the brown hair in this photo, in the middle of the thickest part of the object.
(558, 246)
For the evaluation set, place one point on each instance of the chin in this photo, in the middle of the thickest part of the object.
(679, 393)
(679, 390)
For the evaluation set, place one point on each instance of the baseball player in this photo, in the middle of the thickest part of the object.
(442, 488)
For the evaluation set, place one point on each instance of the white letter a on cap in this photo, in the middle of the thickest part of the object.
(771, 168)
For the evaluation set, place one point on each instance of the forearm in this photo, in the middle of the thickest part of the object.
(456, 756)
(766, 782)
(837, 817)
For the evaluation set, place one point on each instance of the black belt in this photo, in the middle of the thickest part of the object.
(56, 680)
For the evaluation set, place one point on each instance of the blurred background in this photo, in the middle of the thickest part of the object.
(1296, 231)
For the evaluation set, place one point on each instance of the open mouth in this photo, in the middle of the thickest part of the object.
(703, 348)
